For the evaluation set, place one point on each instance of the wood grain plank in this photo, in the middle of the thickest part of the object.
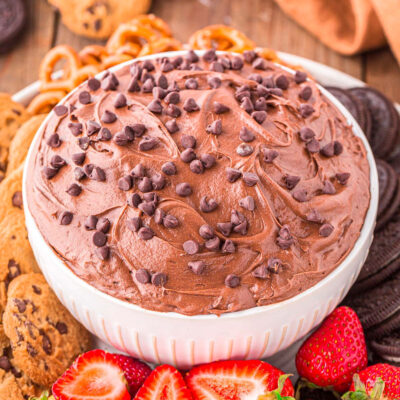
(383, 72)
(20, 67)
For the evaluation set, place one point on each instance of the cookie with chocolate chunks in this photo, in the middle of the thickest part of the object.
(44, 336)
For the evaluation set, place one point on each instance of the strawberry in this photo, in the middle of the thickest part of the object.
(379, 381)
(164, 383)
(135, 371)
(334, 352)
(94, 375)
(238, 380)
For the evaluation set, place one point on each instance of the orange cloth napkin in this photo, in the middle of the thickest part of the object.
(349, 26)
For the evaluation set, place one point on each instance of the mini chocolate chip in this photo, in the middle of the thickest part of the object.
(328, 150)
(16, 199)
(78, 158)
(172, 126)
(145, 233)
(216, 66)
(210, 55)
(98, 174)
(65, 218)
(246, 135)
(99, 239)
(74, 190)
(91, 222)
(110, 82)
(134, 224)
(169, 168)
(313, 146)
(233, 174)
(314, 216)
(247, 105)
(305, 93)
(190, 105)
(306, 134)
(88, 168)
(269, 83)
(197, 167)
(220, 108)
(206, 231)
(159, 279)
(54, 140)
(159, 93)
(125, 183)
(191, 247)
(197, 267)
(79, 174)
(207, 205)
(147, 76)
(300, 195)
(261, 272)
(214, 82)
(83, 143)
(134, 200)
(173, 111)
(250, 179)
(84, 97)
(270, 155)
(213, 244)
(241, 228)
(338, 148)
(148, 143)
(158, 181)
(247, 203)
(225, 228)
(255, 77)
(122, 139)
(284, 239)
(188, 141)
(282, 82)
(103, 253)
(259, 63)
(167, 66)
(60, 110)
(145, 185)
(188, 155)
(143, 276)
(192, 56)
(237, 63)
(108, 117)
(260, 104)
(92, 127)
(161, 81)
(172, 98)
(242, 95)
(173, 87)
(342, 177)
(183, 189)
(170, 221)
(244, 150)
(137, 130)
(49, 172)
(228, 247)
(155, 106)
(75, 128)
(306, 110)
(93, 84)
(325, 230)
(291, 181)
(120, 101)
(138, 171)
(148, 208)
(103, 225)
(133, 85)
(259, 116)
(208, 160)
(191, 84)
(249, 56)
(237, 217)
(148, 65)
(215, 127)
(274, 264)
(328, 187)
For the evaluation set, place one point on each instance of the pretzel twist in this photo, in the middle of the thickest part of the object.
(44, 102)
(161, 45)
(220, 37)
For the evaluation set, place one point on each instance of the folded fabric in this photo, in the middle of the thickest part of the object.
(349, 26)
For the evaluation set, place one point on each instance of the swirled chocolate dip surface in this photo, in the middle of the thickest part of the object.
(199, 185)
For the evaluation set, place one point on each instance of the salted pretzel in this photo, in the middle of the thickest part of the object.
(99, 56)
(160, 45)
(44, 102)
(220, 37)
(154, 23)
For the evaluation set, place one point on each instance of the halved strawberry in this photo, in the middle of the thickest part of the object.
(164, 383)
(94, 375)
(238, 380)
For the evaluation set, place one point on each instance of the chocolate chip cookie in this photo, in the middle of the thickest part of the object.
(44, 336)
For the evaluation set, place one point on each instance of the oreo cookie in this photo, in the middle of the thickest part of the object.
(388, 347)
(356, 107)
(385, 120)
(387, 327)
(12, 21)
(387, 184)
(391, 209)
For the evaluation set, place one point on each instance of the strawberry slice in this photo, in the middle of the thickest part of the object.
(164, 383)
(238, 380)
(94, 375)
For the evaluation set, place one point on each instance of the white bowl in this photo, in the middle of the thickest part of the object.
(188, 340)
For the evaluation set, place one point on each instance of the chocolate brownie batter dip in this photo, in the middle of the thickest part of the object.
(199, 185)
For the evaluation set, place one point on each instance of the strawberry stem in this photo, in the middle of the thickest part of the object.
(360, 392)
(276, 394)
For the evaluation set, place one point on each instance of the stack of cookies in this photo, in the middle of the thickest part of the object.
(376, 294)
(39, 338)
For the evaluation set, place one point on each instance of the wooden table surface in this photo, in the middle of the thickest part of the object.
(261, 20)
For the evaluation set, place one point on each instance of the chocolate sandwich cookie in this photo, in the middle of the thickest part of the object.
(356, 107)
(388, 347)
(385, 120)
(387, 184)
(12, 21)
(378, 304)
(386, 328)
(390, 210)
